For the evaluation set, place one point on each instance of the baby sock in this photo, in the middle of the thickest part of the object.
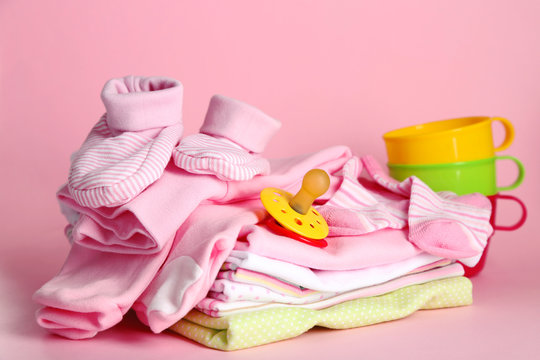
(93, 290)
(230, 140)
(443, 223)
(131, 144)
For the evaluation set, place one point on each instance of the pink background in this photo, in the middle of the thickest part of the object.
(334, 72)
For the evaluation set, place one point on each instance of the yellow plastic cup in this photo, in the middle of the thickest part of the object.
(446, 141)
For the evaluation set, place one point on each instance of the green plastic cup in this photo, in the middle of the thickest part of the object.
(460, 177)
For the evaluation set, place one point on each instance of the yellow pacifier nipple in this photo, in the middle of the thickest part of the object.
(296, 213)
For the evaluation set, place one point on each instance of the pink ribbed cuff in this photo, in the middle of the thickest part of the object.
(242, 123)
(136, 103)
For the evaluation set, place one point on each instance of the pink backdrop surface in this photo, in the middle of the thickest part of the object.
(334, 72)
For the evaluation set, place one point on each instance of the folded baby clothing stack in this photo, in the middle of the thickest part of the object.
(255, 328)
(272, 287)
(173, 228)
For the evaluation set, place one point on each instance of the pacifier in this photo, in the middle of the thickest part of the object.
(298, 219)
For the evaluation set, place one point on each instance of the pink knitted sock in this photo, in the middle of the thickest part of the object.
(443, 223)
(131, 144)
(230, 140)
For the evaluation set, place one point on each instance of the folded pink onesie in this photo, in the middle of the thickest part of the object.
(206, 238)
(197, 255)
(93, 290)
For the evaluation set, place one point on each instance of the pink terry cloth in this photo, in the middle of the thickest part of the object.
(144, 224)
(230, 152)
(209, 234)
(93, 290)
(443, 223)
(129, 147)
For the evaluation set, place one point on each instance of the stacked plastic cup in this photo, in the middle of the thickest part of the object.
(456, 155)
(494, 199)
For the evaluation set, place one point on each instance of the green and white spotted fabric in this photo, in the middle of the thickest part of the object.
(265, 326)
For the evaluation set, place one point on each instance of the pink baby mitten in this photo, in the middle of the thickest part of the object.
(230, 140)
(129, 147)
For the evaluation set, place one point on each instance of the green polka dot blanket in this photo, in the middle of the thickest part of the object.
(266, 326)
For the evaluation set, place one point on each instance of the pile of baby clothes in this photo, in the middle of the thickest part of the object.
(173, 228)
(392, 250)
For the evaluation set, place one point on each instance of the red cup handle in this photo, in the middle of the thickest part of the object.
(519, 223)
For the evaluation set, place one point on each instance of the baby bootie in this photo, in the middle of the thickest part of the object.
(230, 140)
(129, 147)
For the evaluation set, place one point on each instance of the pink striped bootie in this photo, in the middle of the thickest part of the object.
(129, 147)
(229, 143)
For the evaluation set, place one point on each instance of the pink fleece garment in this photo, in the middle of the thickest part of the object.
(287, 174)
(204, 241)
(201, 246)
(144, 224)
(93, 290)
(382, 247)
(210, 233)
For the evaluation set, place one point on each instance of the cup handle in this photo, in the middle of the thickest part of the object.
(520, 177)
(509, 131)
(519, 223)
